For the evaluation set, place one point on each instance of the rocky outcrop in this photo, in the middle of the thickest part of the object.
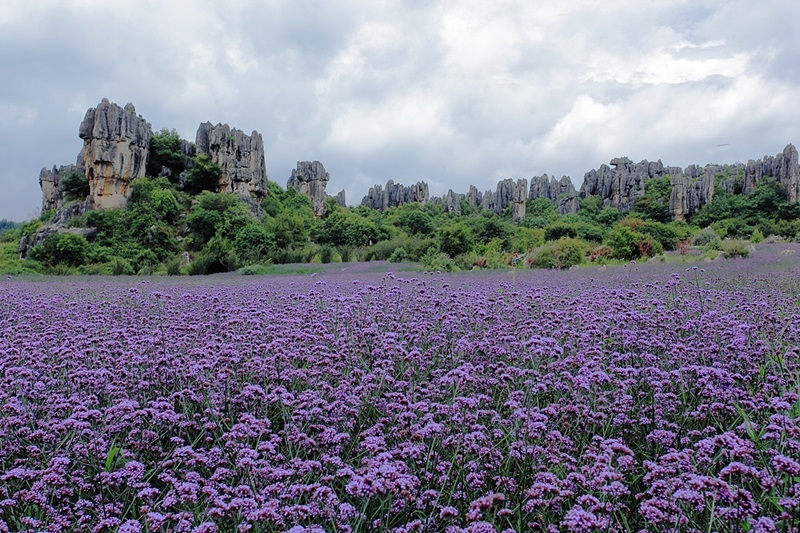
(49, 180)
(116, 144)
(621, 185)
(310, 179)
(239, 156)
(689, 194)
(341, 199)
(395, 194)
(474, 197)
(519, 198)
(561, 193)
(452, 202)
(783, 167)
(508, 192)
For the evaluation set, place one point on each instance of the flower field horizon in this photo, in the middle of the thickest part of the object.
(653, 397)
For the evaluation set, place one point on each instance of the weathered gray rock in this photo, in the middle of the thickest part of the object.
(689, 194)
(452, 202)
(783, 167)
(49, 180)
(519, 199)
(341, 199)
(116, 144)
(561, 193)
(239, 156)
(474, 197)
(507, 193)
(395, 194)
(310, 179)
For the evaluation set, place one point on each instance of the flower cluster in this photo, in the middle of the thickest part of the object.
(632, 398)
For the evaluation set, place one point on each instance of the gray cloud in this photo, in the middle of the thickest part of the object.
(455, 94)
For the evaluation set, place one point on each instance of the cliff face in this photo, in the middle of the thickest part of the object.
(310, 179)
(239, 156)
(116, 143)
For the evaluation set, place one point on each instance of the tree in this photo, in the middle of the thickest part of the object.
(61, 248)
(344, 228)
(166, 155)
(455, 239)
(254, 243)
(413, 220)
(216, 213)
(622, 241)
(203, 176)
(654, 204)
(74, 185)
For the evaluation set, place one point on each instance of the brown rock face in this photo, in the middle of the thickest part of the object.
(239, 156)
(116, 143)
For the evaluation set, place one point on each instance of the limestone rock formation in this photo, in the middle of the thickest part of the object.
(452, 202)
(621, 185)
(689, 194)
(341, 199)
(783, 167)
(474, 197)
(508, 192)
(561, 193)
(49, 180)
(239, 156)
(395, 194)
(519, 198)
(116, 144)
(310, 179)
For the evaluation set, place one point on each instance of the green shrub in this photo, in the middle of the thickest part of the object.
(254, 243)
(560, 230)
(455, 239)
(735, 248)
(61, 248)
(174, 266)
(438, 262)
(253, 270)
(94, 269)
(121, 267)
(399, 255)
(622, 241)
(563, 253)
(757, 236)
(74, 185)
(705, 236)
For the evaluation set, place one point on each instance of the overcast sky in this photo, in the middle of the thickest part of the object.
(453, 93)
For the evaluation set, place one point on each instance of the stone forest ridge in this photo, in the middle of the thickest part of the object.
(117, 146)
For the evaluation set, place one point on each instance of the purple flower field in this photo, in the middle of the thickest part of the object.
(656, 397)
